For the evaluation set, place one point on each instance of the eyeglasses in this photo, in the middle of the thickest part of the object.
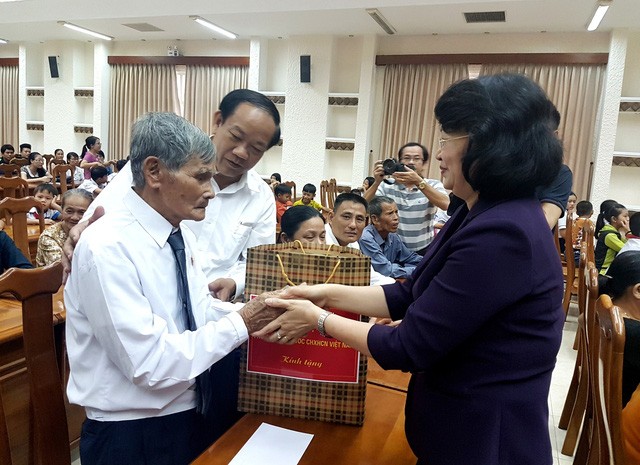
(411, 159)
(442, 141)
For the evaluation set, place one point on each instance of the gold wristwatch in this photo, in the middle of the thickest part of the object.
(422, 184)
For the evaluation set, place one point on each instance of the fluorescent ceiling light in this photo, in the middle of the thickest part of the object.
(381, 20)
(213, 27)
(603, 6)
(4, 41)
(85, 31)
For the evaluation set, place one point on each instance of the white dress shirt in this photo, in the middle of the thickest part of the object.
(377, 279)
(129, 353)
(240, 216)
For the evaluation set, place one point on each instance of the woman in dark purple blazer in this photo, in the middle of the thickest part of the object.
(481, 315)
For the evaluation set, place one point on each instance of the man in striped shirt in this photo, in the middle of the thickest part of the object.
(417, 198)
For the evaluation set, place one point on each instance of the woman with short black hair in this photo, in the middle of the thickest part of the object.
(482, 313)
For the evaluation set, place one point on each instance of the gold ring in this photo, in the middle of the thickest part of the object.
(278, 335)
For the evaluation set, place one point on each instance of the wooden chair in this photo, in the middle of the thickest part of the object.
(16, 188)
(570, 275)
(324, 187)
(10, 170)
(47, 160)
(20, 161)
(49, 440)
(292, 185)
(332, 192)
(51, 166)
(5, 450)
(607, 354)
(577, 408)
(16, 211)
(59, 174)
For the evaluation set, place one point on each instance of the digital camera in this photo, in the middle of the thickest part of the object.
(390, 166)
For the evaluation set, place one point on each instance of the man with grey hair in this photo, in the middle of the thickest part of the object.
(389, 255)
(141, 325)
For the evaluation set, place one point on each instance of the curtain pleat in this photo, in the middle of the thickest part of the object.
(136, 90)
(9, 97)
(410, 93)
(576, 91)
(206, 86)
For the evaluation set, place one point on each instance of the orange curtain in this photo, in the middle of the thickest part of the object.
(9, 98)
(576, 91)
(206, 86)
(410, 93)
(136, 90)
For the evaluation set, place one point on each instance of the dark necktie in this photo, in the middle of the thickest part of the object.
(202, 381)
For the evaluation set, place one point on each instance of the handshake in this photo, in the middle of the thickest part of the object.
(256, 314)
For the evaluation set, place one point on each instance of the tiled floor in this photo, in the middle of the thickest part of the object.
(559, 386)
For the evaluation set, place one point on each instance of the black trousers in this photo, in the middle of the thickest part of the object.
(168, 440)
(172, 439)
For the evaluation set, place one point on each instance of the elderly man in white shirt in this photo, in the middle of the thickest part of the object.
(137, 340)
(242, 214)
(345, 226)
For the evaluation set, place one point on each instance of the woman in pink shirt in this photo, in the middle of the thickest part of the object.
(89, 155)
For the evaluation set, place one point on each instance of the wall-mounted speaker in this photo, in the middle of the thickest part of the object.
(305, 68)
(53, 67)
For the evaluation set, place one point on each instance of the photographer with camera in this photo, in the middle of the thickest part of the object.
(417, 198)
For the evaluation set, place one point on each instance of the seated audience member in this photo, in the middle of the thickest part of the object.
(622, 284)
(568, 215)
(367, 183)
(25, 151)
(98, 181)
(611, 237)
(6, 151)
(345, 226)
(46, 194)
(602, 219)
(103, 160)
(274, 180)
(633, 237)
(308, 194)
(58, 156)
(140, 357)
(34, 173)
(584, 210)
(10, 255)
(119, 165)
(282, 193)
(389, 255)
(74, 203)
(75, 174)
(304, 224)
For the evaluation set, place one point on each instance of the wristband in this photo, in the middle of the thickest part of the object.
(321, 319)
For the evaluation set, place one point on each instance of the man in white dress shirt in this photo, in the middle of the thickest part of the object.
(135, 345)
(243, 212)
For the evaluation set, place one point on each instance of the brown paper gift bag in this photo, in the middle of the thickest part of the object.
(272, 267)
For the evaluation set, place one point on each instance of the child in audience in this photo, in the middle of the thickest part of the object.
(98, 181)
(45, 194)
(584, 210)
(275, 180)
(612, 236)
(633, 237)
(308, 193)
(283, 199)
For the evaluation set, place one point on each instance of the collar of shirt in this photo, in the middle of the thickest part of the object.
(248, 180)
(151, 221)
(377, 237)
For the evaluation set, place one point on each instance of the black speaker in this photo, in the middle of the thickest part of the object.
(305, 68)
(53, 67)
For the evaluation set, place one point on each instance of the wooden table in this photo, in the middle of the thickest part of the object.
(380, 441)
(13, 375)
